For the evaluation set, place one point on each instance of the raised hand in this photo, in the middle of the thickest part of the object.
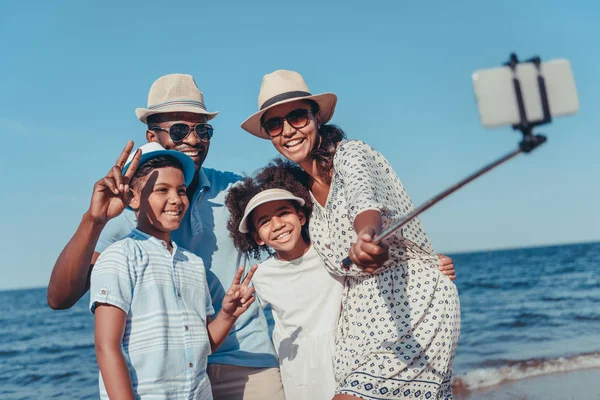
(366, 255)
(111, 194)
(240, 295)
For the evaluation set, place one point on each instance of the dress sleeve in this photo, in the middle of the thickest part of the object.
(112, 281)
(370, 183)
(365, 174)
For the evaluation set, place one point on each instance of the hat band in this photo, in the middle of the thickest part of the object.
(178, 103)
(284, 96)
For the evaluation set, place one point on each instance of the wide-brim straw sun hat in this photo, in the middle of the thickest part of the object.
(283, 86)
(174, 93)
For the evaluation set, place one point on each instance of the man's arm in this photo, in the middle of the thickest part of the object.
(108, 335)
(446, 266)
(70, 276)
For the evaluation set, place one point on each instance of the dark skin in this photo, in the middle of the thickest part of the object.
(70, 276)
(296, 145)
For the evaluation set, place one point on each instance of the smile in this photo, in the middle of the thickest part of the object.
(173, 213)
(293, 143)
(191, 153)
(283, 235)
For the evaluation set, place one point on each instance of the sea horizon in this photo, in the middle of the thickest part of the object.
(450, 253)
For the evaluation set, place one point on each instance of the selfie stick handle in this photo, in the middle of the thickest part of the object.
(346, 263)
(528, 144)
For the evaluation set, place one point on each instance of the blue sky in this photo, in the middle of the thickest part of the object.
(73, 72)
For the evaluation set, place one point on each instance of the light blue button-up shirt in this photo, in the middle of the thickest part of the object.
(166, 298)
(204, 232)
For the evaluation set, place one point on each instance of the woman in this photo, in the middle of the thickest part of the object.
(400, 316)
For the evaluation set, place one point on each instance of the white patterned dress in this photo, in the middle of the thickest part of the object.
(399, 328)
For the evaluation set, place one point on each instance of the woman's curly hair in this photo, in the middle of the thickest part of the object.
(278, 174)
(331, 135)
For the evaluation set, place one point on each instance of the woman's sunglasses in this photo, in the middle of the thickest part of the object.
(178, 132)
(297, 119)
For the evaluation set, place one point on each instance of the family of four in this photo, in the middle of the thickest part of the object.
(168, 249)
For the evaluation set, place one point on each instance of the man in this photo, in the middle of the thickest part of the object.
(245, 366)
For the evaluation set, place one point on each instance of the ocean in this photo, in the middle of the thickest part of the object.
(525, 312)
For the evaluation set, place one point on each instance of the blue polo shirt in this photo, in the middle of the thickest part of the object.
(203, 231)
(166, 298)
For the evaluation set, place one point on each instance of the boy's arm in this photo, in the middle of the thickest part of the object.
(108, 335)
(236, 301)
(70, 276)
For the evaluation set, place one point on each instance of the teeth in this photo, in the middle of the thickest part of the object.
(191, 153)
(283, 235)
(174, 213)
(294, 143)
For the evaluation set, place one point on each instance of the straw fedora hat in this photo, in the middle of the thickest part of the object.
(281, 87)
(174, 93)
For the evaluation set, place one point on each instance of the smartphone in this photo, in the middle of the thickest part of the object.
(496, 98)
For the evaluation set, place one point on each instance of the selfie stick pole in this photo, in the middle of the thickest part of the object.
(528, 144)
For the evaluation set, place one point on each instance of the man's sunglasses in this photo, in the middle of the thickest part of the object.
(297, 119)
(178, 132)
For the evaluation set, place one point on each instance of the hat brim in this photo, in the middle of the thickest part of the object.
(189, 168)
(144, 113)
(326, 102)
(243, 227)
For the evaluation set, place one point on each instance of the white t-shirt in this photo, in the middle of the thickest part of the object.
(306, 302)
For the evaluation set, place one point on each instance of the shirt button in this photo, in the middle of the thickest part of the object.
(187, 328)
(191, 365)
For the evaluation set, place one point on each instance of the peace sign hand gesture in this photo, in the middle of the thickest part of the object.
(111, 194)
(240, 295)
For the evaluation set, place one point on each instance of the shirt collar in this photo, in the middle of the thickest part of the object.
(154, 240)
(204, 182)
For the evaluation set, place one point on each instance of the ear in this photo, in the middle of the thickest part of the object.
(302, 217)
(134, 203)
(318, 121)
(257, 239)
(151, 136)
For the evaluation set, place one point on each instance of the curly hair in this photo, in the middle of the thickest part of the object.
(331, 135)
(278, 174)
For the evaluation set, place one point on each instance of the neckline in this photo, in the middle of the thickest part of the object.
(315, 202)
(276, 257)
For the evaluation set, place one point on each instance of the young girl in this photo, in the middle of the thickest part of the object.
(400, 318)
(270, 212)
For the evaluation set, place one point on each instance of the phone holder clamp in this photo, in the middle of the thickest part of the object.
(530, 141)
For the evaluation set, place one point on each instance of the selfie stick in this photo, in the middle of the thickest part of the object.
(528, 144)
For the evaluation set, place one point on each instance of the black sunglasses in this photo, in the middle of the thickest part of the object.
(178, 132)
(297, 119)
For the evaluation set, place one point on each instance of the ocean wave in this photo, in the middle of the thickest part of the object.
(506, 371)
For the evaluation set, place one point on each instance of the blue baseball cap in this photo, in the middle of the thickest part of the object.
(152, 150)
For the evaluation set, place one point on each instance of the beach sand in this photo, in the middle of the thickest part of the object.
(580, 385)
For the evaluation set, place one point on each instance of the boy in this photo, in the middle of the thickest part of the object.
(153, 331)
